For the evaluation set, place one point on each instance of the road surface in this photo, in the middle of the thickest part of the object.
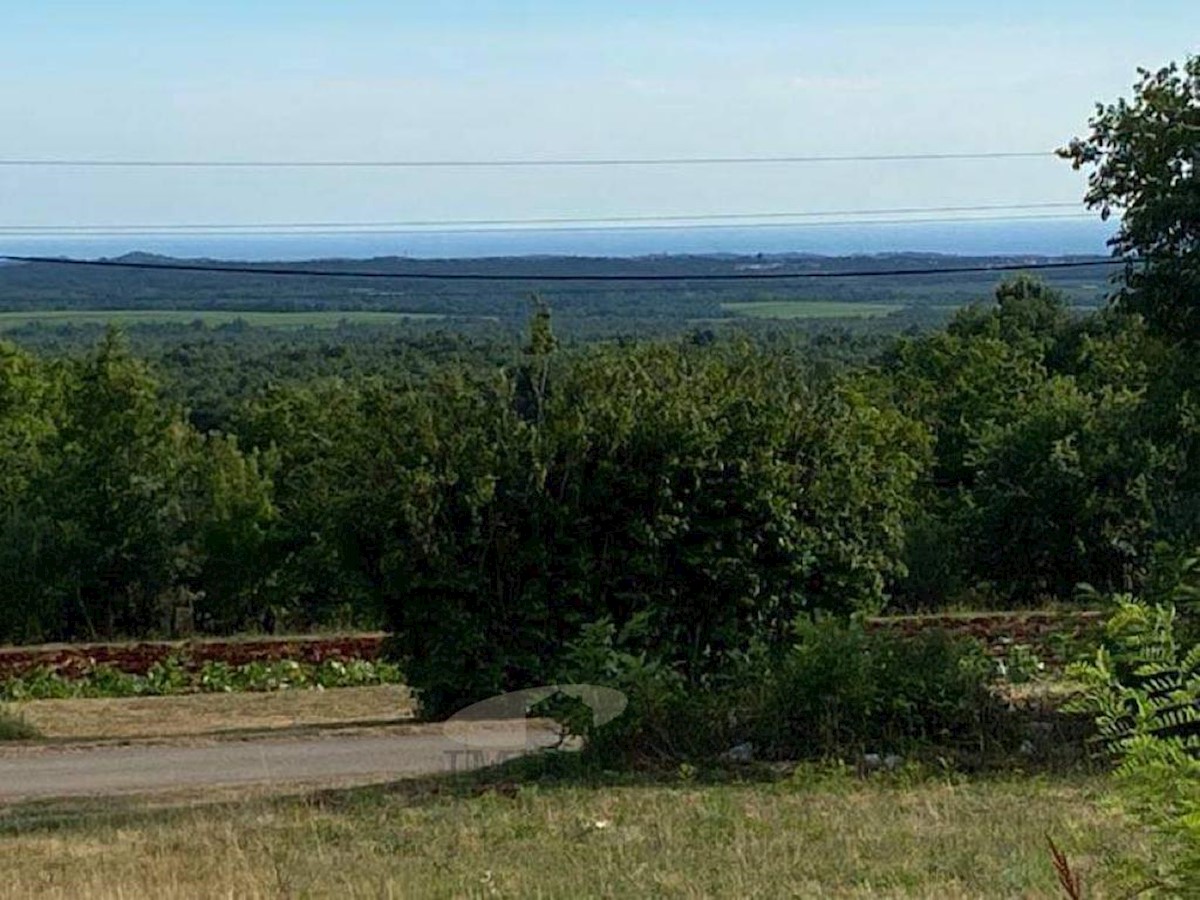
(33, 772)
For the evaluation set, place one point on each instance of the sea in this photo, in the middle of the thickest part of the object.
(1008, 238)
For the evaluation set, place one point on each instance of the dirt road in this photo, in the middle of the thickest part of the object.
(365, 756)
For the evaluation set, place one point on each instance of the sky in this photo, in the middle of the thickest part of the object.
(304, 80)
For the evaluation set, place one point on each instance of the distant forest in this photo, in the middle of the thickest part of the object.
(630, 308)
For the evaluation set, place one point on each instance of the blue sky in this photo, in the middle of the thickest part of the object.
(363, 80)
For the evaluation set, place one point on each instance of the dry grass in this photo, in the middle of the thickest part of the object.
(193, 714)
(828, 837)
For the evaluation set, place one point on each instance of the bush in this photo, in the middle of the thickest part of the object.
(1144, 689)
(13, 727)
(712, 495)
(842, 688)
(837, 692)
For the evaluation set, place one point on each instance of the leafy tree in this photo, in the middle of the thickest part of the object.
(1144, 160)
(706, 494)
(326, 440)
(30, 399)
(112, 504)
(1064, 449)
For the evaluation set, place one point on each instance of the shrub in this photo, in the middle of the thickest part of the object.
(838, 691)
(712, 495)
(1144, 689)
(14, 727)
(843, 688)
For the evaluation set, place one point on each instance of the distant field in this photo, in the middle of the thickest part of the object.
(809, 309)
(210, 317)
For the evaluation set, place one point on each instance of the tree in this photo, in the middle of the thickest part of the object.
(1144, 157)
(112, 507)
(705, 496)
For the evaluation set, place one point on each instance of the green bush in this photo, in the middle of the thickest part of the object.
(844, 688)
(1143, 687)
(14, 727)
(710, 494)
(837, 692)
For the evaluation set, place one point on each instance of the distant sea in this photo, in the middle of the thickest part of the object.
(1054, 238)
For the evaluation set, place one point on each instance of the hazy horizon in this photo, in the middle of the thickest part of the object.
(963, 239)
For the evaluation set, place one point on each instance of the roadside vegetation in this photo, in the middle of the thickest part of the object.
(14, 726)
(172, 677)
(815, 831)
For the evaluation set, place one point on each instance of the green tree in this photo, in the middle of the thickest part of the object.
(706, 493)
(1144, 160)
(30, 410)
(115, 504)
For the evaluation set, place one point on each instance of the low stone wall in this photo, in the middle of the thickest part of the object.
(1054, 636)
(139, 657)
(1050, 635)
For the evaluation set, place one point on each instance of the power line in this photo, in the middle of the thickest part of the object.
(350, 232)
(629, 222)
(82, 163)
(565, 277)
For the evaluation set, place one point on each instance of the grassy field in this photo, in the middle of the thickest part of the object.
(808, 836)
(809, 309)
(210, 317)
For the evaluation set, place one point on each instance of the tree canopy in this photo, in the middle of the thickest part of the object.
(1144, 160)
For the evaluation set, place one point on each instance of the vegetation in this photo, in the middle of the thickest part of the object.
(14, 726)
(605, 309)
(699, 518)
(207, 318)
(816, 832)
(808, 309)
(171, 677)
(1142, 157)
(838, 692)
(1144, 688)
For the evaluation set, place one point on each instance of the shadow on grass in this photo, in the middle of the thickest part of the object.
(546, 771)
(15, 727)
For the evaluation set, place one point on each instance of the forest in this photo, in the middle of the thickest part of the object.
(1019, 451)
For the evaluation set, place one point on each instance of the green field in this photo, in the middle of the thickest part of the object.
(809, 309)
(209, 317)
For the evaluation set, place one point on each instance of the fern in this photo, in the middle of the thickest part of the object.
(1144, 691)
(1142, 683)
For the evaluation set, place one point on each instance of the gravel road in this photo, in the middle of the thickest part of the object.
(32, 772)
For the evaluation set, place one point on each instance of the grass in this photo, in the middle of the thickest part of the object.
(193, 714)
(210, 317)
(14, 726)
(809, 309)
(814, 835)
